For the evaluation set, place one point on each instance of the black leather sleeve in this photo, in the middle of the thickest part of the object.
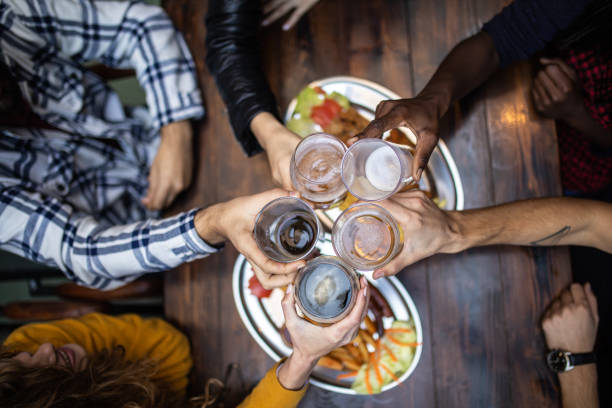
(234, 61)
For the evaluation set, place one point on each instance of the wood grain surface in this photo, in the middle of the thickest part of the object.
(480, 309)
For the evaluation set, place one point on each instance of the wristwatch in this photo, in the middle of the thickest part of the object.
(560, 361)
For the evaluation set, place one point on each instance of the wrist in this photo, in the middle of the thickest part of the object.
(263, 126)
(207, 224)
(295, 371)
(459, 236)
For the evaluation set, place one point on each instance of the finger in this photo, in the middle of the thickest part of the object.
(267, 265)
(395, 266)
(383, 108)
(161, 193)
(294, 18)
(577, 292)
(555, 306)
(537, 98)
(544, 96)
(270, 281)
(566, 297)
(561, 80)
(271, 5)
(426, 143)
(562, 65)
(278, 13)
(288, 305)
(592, 300)
(549, 85)
(378, 126)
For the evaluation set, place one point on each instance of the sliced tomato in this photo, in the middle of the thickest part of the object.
(325, 113)
(257, 289)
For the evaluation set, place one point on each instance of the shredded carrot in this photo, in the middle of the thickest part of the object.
(346, 375)
(398, 330)
(402, 343)
(388, 350)
(389, 372)
(367, 382)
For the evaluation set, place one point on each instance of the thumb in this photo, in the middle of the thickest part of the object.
(288, 304)
(424, 147)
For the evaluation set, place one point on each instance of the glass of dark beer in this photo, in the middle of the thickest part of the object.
(287, 229)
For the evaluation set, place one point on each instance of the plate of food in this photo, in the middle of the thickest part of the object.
(343, 106)
(383, 355)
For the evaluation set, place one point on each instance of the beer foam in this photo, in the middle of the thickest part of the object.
(383, 169)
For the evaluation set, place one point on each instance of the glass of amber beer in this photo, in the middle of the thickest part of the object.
(366, 236)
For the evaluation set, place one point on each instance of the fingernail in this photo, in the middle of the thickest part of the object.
(290, 288)
(285, 27)
(377, 274)
(365, 291)
(265, 23)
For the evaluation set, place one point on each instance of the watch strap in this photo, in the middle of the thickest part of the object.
(576, 359)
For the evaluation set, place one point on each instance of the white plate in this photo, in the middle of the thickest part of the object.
(264, 318)
(442, 175)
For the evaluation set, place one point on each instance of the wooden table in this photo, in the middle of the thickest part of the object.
(483, 346)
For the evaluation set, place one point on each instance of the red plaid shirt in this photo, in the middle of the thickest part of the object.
(584, 167)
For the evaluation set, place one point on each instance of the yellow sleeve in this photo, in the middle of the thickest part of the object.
(270, 393)
(142, 339)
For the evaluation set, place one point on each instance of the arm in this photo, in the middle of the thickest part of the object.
(536, 222)
(309, 343)
(122, 35)
(233, 59)
(570, 324)
(517, 32)
(91, 253)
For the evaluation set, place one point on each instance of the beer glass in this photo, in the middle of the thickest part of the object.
(315, 170)
(366, 236)
(287, 229)
(373, 169)
(326, 289)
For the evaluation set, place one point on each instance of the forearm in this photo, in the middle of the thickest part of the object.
(537, 222)
(233, 59)
(466, 67)
(294, 373)
(582, 121)
(579, 387)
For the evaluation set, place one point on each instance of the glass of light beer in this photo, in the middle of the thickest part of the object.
(287, 229)
(366, 236)
(326, 290)
(373, 169)
(315, 170)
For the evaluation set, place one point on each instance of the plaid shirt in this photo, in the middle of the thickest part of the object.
(70, 197)
(585, 168)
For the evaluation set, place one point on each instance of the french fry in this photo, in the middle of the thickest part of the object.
(351, 365)
(354, 351)
(365, 356)
(342, 355)
(330, 362)
(370, 326)
(367, 338)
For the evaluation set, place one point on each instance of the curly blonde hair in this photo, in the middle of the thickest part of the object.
(109, 380)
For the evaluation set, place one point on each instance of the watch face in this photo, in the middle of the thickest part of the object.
(557, 361)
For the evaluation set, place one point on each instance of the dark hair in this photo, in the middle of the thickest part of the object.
(107, 381)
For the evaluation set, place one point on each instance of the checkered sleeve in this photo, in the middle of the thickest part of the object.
(45, 230)
(123, 34)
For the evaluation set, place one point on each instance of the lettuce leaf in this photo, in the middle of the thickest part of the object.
(341, 99)
(306, 99)
(302, 126)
